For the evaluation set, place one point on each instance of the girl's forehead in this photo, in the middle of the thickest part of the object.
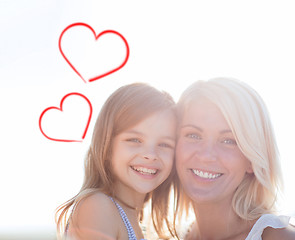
(136, 118)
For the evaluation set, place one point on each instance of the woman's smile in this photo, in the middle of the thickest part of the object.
(205, 174)
(209, 163)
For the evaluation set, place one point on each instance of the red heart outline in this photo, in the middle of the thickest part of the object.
(96, 38)
(60, 109)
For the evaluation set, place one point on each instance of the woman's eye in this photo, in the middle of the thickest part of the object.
(230, 141)
(193, 136)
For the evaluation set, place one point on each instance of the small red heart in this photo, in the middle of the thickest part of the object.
(96, 38)
(61, 109)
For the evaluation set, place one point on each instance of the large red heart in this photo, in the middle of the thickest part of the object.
(61, 109)
(96, 38)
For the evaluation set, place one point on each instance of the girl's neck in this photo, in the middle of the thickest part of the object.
(132, 203)
(128, 198)
(219, 221)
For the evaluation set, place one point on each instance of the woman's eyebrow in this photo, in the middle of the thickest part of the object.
(201, 130)
(191, 126)
(226, 131)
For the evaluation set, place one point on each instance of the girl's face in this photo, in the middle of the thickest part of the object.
(143, 154)
(209, 163)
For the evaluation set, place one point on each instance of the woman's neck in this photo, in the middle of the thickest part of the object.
(219, 221)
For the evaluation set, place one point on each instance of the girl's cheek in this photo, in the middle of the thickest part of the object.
(170, 156)
(167, 156)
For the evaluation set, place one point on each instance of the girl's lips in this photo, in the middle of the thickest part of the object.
(145, 170)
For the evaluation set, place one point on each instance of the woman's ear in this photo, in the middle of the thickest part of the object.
(249, 169)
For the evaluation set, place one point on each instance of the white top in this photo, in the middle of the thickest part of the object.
(267, 220)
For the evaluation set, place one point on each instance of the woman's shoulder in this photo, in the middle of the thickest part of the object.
(287, 233)
(270, 226)
(95, 214)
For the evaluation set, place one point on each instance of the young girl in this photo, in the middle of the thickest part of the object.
(227, 164)
(129, 162)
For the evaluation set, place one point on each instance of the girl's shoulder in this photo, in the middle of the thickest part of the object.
(96, 202)
(95, 216)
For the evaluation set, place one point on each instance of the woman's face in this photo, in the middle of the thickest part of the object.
(209, 163)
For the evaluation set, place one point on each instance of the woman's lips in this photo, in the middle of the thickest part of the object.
(205, 174)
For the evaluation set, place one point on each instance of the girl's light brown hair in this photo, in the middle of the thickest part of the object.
(126, 107)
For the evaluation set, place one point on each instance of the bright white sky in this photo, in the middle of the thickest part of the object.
(172, 44)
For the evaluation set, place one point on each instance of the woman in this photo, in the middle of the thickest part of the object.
(227, 164)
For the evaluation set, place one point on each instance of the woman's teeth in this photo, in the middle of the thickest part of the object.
(145, 170)
(206, 174)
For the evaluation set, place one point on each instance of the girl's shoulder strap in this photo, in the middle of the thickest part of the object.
(131, 233)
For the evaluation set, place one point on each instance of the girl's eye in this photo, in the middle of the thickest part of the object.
(230, 141)
(136, 140)
(166, 145)
(193, 136)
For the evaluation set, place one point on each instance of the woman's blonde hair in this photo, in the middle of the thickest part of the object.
(126, 107)
(248, 118)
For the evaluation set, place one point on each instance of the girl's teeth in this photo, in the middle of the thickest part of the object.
(145, 170)
(205, 174)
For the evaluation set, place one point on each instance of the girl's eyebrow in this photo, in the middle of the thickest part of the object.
(169, 138)
(139, 133)
(134, 132)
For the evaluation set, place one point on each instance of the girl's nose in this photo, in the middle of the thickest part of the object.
(150, 153)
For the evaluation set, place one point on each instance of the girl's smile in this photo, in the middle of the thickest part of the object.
(144, 170)
(143, 155)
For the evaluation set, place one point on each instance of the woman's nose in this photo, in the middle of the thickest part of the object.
(207, 151)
